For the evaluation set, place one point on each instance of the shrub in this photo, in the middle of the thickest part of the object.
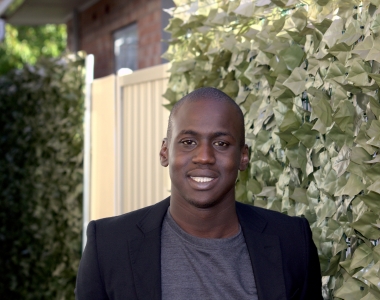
(306, 75)
(41, 140)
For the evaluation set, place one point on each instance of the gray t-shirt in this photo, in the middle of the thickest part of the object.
(202, 268)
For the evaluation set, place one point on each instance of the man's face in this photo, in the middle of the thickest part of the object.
(204, 153)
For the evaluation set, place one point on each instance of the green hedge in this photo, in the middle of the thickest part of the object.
(41, 142)
(306, 75)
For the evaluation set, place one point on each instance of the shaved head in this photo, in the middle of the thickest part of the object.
(209, 94)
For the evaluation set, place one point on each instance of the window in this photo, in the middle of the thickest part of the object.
(125, 47)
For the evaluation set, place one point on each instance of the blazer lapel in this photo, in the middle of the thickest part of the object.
(265, 253)
(145, 253)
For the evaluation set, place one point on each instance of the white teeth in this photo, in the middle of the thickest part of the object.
(202, 179)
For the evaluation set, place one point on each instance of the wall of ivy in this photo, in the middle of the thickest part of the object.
(306, 75)
(41, 138)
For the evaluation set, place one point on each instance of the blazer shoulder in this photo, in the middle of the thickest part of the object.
(127, 222)
(274, 222)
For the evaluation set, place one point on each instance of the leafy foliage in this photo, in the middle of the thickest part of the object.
(26, 44)
(41, 140)
(306, 75)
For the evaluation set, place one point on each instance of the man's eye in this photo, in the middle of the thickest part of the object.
(188, 142)
(221, 144)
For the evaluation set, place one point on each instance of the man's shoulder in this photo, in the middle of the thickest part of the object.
(264, 212)
(128, 221)
(272, 221)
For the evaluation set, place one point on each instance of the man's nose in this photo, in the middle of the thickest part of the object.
(204, 154)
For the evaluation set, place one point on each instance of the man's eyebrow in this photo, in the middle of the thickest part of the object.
(221, 133)
(189, 132)
(214, 134)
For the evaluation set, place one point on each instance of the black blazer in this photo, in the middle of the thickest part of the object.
(122, 258)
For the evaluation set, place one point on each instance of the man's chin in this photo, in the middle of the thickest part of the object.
(203, 204)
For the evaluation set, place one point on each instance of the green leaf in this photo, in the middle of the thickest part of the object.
(254, 186)
(293, 56)
(296, 81)
(290, 122)
(334, 33)
(341, 51)
(299, 195)
(245, 9)
(322, 110)
(342, 161)
(352, 290)
(334, 135)
(362, 257)
(363, 48)
(358, 73)
(372, 201)
(353, 187)
(375, 187)
(371, 273)
(365, 227)
(306, 135)
(375, 106)
(374, 52)
(336, 71)
(267, 191)
(352, 34)
(344, 115)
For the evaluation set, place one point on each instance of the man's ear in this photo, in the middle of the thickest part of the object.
(164, 153)
(244, 159)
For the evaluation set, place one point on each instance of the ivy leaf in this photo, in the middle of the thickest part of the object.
(292, 56)
(306, 135)
(365, 227)
(375, 187)
(362, 256)
(262, 2)
(344, 115)
(342, 161)
(372, 201)
(364, 47)
(375, 106)
(376, 22)
(341, 51)
(358, 73)
(352, 34)
(267, 191)
(371, 273)
(353, 186)
(336, 71)
(333, 33)
(299, 195)
(245, 9)
(254, 186)
(323, 111)
(290, 122)
(374, 53)
(296, 81)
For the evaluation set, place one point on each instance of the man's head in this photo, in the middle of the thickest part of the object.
(209, 93)
(205, 148)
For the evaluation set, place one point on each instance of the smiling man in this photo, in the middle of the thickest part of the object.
(200, 243)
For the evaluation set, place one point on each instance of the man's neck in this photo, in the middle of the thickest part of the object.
(213, 222)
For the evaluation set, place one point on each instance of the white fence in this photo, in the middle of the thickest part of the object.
(128, 123)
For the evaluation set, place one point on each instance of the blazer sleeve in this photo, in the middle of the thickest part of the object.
(90, 284)
(312, 289)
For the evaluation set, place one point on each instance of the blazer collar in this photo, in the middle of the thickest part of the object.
(145, 253)
(265, 254)
(264, 251)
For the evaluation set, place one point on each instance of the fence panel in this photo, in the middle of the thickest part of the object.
(141, 126)
(103, 126)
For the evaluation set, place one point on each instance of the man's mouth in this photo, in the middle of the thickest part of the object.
(201, 179)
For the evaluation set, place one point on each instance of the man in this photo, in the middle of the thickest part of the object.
(200, 243)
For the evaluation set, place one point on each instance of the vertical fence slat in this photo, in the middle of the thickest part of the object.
(144, 125)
